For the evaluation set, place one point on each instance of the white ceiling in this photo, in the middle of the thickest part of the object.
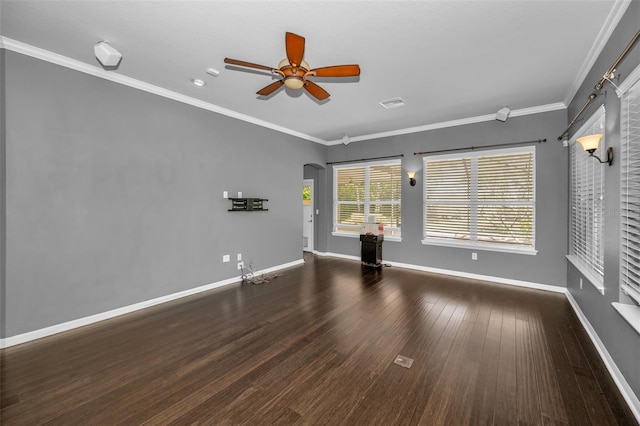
(449, 60)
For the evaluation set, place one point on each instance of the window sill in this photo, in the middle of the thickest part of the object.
(480, 246)
(630, 313)
(587, 274)
(393, 238)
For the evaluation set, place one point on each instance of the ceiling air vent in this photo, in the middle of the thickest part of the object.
(392, 103)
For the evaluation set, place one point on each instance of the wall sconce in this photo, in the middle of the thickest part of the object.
(590, 144)
(412, 178)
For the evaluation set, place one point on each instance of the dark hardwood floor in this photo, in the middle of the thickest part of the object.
(316, 345)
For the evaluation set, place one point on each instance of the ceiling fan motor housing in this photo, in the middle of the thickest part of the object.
(293, 76)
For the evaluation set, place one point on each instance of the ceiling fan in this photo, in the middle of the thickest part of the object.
(295, 71)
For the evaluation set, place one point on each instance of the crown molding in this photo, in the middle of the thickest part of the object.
(628, 82)
(615, 15)
(64, 61)
(453, 123)
(54, 58)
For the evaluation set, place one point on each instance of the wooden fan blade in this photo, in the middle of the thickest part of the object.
(267, 90)
(338, 71)
(315, 90)
(247, 64)
(295, 48)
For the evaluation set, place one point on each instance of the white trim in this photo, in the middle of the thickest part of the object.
(618, 378)
(453, 123)
(597, 115)
(95, 71)
(631, 292)
(473, 202)
(473, 245)
(54, 58)
(622, 384)
(392, 238)
(499, 280)
(341, 256)
(310, 238)
(611, 22)
(586, 273)
(630, 313)
(628, 82)
(366, 203)
(80, 322)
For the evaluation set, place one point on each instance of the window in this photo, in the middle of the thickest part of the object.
(365, 190)
(483, 199)
(630, 193)
(586, 250)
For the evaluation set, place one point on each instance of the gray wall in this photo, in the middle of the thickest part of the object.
(622, 342)
(547, 267)
(114, 195)
(3, 180)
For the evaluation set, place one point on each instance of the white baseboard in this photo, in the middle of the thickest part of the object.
(499, 280)
(626, 391)
(70, 325)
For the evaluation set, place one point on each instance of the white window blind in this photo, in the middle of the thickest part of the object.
(630, 193)
(587, 202)
(483, 199)
(369, 189)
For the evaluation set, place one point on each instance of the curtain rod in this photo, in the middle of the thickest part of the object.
(586, 104)
(600, 84)
(471, 148)
(365, 159)
(613, 67)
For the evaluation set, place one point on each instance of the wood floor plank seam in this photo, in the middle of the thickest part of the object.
(316, 345)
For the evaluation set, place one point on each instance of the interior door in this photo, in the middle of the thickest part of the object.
(307, 215)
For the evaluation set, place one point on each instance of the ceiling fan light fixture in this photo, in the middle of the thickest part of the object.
(294, 83)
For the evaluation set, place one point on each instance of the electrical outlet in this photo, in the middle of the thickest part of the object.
(474, 256)
(240, 265)
(239, 194)
(226, 258)
(225, 194)
(239, 257)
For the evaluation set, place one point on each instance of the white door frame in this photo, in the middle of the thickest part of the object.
(310, 237)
